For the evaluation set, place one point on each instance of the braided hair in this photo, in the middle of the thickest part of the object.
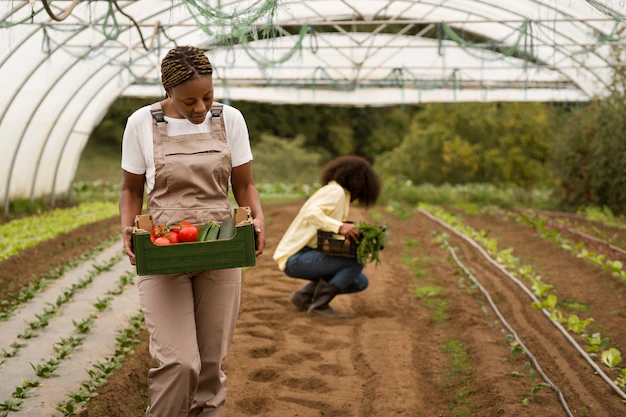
(183, 63)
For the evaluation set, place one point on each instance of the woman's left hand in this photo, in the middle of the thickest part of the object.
(259, 229)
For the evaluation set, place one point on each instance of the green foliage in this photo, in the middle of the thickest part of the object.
(20, 392)
(10, 405)
(428, 291)
(84, 191)
(372, 240)
(321, 130)
(534, 388)
(496, 143)
(458, 377)
(611, 357)
(329, 130)
(101, 370)
(589, 153)
(539, 223)
(45, 369)
(23, 233)
(482, 194)
(277, 160)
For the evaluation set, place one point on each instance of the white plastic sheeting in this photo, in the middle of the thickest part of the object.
(53, 95)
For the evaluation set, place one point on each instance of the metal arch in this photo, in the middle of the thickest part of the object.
(592, 73)
(19, 45)
(535, 1)
(570, 56)
(565, 54)
(19, 143)
(25, 80)
(13, 11)
(451, 7)
(58, 164)
(443, 5)
(44, 145)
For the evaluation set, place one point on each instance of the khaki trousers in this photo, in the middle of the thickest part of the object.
(191, 319)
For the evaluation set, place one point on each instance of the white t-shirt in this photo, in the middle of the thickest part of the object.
(137, 145)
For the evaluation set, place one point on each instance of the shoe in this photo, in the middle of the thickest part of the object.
(324, 293)
(323, 311)
(302, 298)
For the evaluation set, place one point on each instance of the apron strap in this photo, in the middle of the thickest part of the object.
(217, 118)
(158, 118)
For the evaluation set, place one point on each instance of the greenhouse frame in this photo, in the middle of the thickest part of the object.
(62, 62)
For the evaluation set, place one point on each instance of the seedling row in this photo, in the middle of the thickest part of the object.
(20, 234)
(599, 347)
(65, 346)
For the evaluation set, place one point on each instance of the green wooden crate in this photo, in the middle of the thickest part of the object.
(195, 256)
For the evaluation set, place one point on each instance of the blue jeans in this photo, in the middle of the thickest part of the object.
(343, 272)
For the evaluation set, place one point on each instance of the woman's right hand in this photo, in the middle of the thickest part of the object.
(127, 234)
(350, 231)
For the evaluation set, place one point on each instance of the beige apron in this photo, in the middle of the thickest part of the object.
(192, 172)
(190, 316)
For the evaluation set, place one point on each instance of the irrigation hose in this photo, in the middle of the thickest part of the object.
(64, 15)
(532, 296)
(513, 332)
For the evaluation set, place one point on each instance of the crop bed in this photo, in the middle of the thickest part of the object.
(422, 340)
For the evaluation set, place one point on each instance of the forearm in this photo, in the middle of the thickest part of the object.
(248, 196)
(130, 206)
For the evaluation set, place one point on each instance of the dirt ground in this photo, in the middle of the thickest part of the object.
(415, 343)
(397, 354)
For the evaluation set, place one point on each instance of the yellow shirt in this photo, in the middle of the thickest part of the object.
(327, 209)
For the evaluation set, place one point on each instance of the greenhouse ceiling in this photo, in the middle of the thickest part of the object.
(63, 62)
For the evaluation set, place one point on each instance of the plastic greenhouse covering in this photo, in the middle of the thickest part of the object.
(62, 68)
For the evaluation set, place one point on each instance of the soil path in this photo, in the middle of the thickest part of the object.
(387, 359)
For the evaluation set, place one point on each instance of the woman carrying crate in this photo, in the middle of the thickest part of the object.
(185, 149)
(345, 179)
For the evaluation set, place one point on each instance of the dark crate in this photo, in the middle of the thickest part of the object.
(236, 252)
(335, 244)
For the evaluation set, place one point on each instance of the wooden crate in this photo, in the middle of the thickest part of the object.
(335, 244)
(195, 256)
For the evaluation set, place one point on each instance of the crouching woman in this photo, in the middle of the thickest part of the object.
(345, 179)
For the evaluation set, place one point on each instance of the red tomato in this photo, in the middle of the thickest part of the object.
(162, 241)
(188, 234)
(153, 238)
(172, 236)
(159, 230)
(179, 226)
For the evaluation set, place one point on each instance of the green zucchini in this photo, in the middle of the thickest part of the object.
(204, 230)
(213, 232)
(227, 230)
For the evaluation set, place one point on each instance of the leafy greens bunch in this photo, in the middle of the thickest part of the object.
(372, 240)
